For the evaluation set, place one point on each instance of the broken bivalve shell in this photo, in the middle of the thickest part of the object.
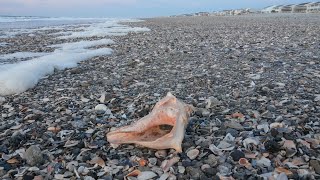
(263, 162)
(276, 125)
(163, 128)
(290, 148)
(244, 162)
(166, 164)
(250, 143)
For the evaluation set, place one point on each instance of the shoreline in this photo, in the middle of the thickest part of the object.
(266, 69)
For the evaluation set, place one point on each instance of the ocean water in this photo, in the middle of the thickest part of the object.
(27, 68)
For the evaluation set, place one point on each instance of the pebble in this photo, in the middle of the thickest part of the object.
(234, 125)
(233, 132)
(315, 165)
(161, 154)
(211, 160)
(146, 175)
(236, 155)
(210, 171)
(181, 169)
(272, 146)
(102, 109)
(193, 153)
(186, 163)
(212, 102)
(195, 173)
(205, 166)
(34, 155)
(224, 169)
(263, 162)
(152, 161)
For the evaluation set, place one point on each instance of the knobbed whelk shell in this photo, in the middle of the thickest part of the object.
(163, 128)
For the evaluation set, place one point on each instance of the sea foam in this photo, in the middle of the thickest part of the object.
(3, 44)
(109, 28)
(24, 75)
(17, 78)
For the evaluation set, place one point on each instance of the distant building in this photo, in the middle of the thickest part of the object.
(239, 12)
(313, 7)
(286, 9)
(309, 7)
(227, 12)
(202, 14)
(300, 8)
(272, 9)
(251, 11)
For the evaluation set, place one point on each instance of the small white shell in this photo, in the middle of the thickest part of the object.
(146, 175)
(193, 153)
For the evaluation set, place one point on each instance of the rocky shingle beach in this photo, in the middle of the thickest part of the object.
(254, 81)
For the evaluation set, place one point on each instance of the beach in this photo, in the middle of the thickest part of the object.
(254, 81)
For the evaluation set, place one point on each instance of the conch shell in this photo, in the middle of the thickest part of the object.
(163, 128)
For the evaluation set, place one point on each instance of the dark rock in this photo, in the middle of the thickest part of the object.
(186, 163)
(194, 173)
(5, 165)
(236, 155)
(272, 146)
(215, 177)
(182, 177)
(289, 136)
(28, 177)
(210, 171)
(274, 132)
(4, 149)
(16, 140)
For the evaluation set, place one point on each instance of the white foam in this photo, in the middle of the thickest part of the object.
(3, 44)
(9, 34)
(61, 33)
(21, 55)
(108, 28)
(100, 28)
(17, 78)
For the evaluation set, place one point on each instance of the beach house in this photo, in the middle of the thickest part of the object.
(313, 7)
(299, 8)
(202, 14)
(272, 9)
(285, 9)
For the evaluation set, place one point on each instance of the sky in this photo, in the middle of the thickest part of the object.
(126, 8)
